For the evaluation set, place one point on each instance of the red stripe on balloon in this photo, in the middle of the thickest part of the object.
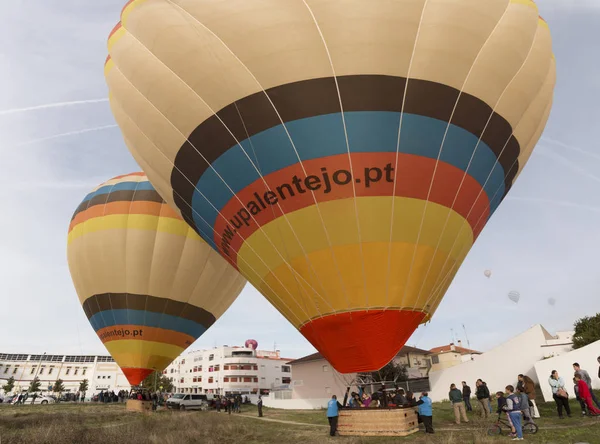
(413, 181)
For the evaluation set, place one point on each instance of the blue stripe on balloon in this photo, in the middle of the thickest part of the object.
(122, 186)
(322, 136)
(109, 318)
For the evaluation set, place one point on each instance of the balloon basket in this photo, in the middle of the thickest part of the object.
(134, 405)
(378, 422)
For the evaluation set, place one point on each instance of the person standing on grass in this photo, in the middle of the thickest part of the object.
(528, 386)
(559, 393)
(456, 399)
(513, 408)
(259, 404)
(483, 398)
(333, 412)
(582, 403)
(585, 376)
(466, 394)
(425, 406)
(586, 395)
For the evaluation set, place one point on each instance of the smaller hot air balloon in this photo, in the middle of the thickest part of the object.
(552, 301)
(514, 296)
(251, 343)
(487, 273)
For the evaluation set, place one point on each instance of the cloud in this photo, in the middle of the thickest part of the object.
(67, 134)
(50, 106)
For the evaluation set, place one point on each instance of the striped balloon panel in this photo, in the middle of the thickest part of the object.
(147, 283)
(343, 156)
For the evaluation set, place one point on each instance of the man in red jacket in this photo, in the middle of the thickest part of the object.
(585, 395)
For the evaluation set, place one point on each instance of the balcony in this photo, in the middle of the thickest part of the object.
(241, 360)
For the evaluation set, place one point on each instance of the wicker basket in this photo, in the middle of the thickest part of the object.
(378, 422)
(133, 405)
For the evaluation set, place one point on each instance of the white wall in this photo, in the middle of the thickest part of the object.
(585, 356)
(497, 367)
(295, 404)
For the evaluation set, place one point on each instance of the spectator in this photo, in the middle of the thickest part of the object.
(513, 408)
(528, 387)
(426, 412)
(483, 397)
(410, 399)
(585, 376)
(466, 393)
(581, 401)
(456, 399)
(585, 395)
(333, 408)
(259, 404)
(524, 401)
(399, 398)
(559, 393)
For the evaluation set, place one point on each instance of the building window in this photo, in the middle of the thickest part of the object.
(6, 369)
(210, 380)
(42, 371)
(99, 377)
(247, 379)
(211, 368)
(234, 367)
(211, 357)
(76, 370)
(225, 379)
(435, 360)
(15, 370)
(68, 370)
(31, 372)
(233, 380)
(108, 377)
(50, 370)
(83, 371)
(217, 367)
(325, 368)
(183, 361)
(255, 379)
(225, 367)
(286, 380)
(286, 369)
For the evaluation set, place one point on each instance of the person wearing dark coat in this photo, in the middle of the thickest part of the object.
(259, 404)
(466, 394)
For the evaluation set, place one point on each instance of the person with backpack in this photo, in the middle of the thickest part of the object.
(513, 408)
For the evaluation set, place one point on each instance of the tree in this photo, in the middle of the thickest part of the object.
(587, 330)
(35, 385)
(58, 387)
(391, 372)
(157, 381)
(83, 386)
(9, 385)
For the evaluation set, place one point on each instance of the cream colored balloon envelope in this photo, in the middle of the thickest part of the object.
(149, 285)
(342, 155)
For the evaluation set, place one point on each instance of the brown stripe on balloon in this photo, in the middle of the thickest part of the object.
(315, 97)
(125, 301)
(120, 196)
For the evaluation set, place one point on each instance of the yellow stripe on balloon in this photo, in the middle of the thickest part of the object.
(132, 221)
(257, 256)
(529, 3)
(149, 354)
(344, 287)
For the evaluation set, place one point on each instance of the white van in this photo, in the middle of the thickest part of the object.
(182, 401)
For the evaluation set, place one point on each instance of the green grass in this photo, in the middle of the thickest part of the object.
(101, 424)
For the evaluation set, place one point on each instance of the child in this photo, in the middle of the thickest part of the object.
(581, 401)
(501, 405)
(513, 408)
(586, 395)
(426, 412)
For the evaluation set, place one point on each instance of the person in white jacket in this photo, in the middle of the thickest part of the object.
(557, 384)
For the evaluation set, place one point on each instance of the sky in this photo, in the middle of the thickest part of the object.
(541, 242)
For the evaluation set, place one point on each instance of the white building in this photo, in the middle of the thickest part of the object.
(501, 365)
(101, 372)
(224, 370)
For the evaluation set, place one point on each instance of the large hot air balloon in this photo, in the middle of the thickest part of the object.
(342, 155)
(147, 283)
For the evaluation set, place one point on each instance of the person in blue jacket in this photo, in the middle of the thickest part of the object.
(333, 409)
(426, 411)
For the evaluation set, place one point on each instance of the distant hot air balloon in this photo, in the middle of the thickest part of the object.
(148, 284)
(487, 273)
(251, 343)
(342, 155)
(514, 296)
(552, 301)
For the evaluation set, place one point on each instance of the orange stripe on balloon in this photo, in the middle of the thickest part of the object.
(362, 341)
(143, 333)
(136, 375)
(124, 207)
(115, 29)
(413, 180)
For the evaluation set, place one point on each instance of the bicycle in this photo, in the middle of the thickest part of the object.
(497, 428)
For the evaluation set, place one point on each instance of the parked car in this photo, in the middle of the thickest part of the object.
(40, 399)
(182, 401)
